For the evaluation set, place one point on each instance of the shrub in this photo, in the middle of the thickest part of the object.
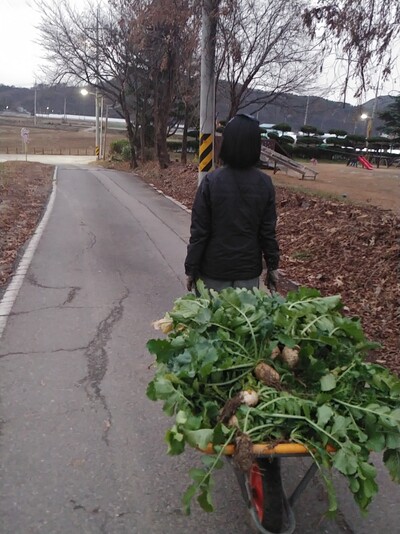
(126, 152)
(176, 146)
(116, 147)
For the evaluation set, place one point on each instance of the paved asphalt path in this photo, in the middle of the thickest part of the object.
(81, 447)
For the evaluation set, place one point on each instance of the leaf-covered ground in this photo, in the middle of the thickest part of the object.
(24, 190)
(332, 245)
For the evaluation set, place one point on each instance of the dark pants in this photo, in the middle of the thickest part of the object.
(218, 285)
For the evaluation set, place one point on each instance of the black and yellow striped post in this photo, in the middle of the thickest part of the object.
(207, 86)
(206, 152)
(97, 150)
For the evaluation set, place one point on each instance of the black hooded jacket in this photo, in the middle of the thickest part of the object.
(233, 225)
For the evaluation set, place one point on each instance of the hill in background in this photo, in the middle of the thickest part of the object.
(292, 109)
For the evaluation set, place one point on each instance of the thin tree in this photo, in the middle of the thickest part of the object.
(263, 52)
(93, 47)
(364, 32)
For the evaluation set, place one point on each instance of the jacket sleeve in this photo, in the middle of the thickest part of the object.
(267, 234)
(200, 229)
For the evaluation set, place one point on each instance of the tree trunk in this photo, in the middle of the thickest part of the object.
(162, 106)
(235, 102)
(130, 131)
(185, 136)
(161, 143)
(132, 141)
(142, 139)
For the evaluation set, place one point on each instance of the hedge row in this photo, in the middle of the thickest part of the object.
(121, 147)
(176, 146)
(321, 153)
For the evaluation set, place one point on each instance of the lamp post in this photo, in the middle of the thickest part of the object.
(104, 144)
(306, 112)
(98, 99)
(366, 117)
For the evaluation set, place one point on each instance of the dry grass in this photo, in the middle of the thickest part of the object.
(51, 136)
(378, 187)
(24, 190)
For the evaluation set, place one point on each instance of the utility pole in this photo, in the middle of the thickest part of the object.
(105, 132)
(97, 95)
(34, 106)
(207, 87)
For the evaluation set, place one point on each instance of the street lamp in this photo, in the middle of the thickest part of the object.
(98, 98)
(366, 117)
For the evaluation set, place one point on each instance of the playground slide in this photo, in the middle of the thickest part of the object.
(365, 163)
(289, 163)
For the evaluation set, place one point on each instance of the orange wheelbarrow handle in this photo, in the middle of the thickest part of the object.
(268, 449)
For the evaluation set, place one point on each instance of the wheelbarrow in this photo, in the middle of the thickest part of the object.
(270, 508)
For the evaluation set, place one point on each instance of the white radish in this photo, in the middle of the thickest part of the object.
(165, 324)
(291, 356)
(249, 397)
(233, 421)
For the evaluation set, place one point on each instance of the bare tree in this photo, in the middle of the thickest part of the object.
(263, 52)
(165, 34)
(91, 46)
(363, 32)
(133, 51)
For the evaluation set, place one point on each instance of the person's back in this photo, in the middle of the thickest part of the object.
(239, 200)
(233, 216)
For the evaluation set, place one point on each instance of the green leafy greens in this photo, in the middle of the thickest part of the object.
(333, 398)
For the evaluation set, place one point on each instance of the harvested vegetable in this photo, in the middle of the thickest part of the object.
(165, 324)
(266, 374)
(243, 456)
(332, 401)
(291, 356)
(249, 397)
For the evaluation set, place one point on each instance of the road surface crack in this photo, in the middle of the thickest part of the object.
(73, 290)
(97, 360)
(93, 240)
(58, 307)
(71, 295)
(40, 352)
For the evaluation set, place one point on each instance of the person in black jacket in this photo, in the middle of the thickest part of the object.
(234, 216)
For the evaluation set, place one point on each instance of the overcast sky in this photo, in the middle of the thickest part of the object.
(21, 57)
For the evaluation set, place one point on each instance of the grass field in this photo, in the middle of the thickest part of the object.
(51, 136)
(377, 187)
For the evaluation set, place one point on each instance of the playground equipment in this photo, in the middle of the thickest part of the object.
(365, 163)
(267, 154)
